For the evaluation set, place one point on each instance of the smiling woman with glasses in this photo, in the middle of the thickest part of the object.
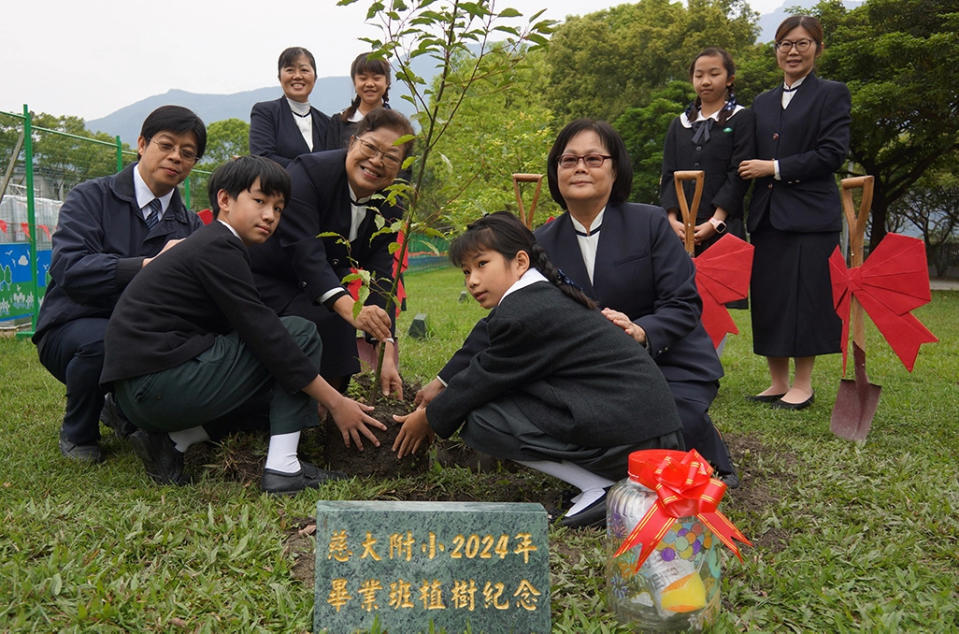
(802, 138)
(331, 224)
(626, 258)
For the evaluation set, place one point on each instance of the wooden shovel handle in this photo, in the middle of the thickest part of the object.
(689, 217)
(857, 234)
(527, 217)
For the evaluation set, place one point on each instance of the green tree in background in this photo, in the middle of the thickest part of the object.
(899, 59)
(603, 63)
(501, 128)
(224, 140)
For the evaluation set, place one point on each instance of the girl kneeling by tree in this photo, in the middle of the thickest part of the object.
(560, 388)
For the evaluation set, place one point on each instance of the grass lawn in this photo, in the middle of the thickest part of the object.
(847, 536)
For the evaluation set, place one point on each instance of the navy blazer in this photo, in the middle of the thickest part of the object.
(99, 245)
(296, 260)
(810, 139)
(275, 135)
(174, 309)
(719, 157)
(642, 270)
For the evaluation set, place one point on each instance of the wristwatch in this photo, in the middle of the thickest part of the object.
(718, 225)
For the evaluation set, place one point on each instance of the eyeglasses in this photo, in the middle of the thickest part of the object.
(368, 150)
(166, 147)
(570, 161)
(784, 46)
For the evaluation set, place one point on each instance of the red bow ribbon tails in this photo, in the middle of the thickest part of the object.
(892, 281)
(684, 487)
(722, 276)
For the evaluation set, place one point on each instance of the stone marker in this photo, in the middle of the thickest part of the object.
(418, 329)
(463, 297)
(457, 565)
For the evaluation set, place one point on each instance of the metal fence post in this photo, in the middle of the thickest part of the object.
(31, 218)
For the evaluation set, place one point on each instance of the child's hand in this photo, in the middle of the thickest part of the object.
(391, 383)
(429, 391)
(352, 420)
(416, 429)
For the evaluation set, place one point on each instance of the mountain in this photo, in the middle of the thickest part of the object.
(769, 21)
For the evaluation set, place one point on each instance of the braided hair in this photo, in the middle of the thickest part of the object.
(503, 232)
(692, 110)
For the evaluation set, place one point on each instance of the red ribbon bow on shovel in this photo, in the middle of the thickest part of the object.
(684, 487)
(892, 281)
(722, 276)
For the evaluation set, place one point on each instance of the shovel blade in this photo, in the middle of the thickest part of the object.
(856, 403)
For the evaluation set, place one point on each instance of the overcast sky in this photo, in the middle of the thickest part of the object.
(91, 57)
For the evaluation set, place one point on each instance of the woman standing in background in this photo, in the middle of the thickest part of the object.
(284, 128)
(795, 216)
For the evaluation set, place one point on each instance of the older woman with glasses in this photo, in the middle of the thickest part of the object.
(802, 137)
(626, 257)
(299, 271)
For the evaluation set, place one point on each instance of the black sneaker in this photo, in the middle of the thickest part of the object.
(164, 464)
(309, 476)
(730, 479)
(81, 452)
(112, 417)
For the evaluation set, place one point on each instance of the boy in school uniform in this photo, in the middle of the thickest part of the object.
(109, 229)
(190, 339)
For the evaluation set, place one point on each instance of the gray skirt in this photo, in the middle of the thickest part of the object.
(502, 430)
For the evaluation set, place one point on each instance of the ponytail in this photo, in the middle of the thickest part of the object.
(541, 261)
(347, 114)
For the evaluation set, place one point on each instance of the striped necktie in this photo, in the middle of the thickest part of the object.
(154, 216)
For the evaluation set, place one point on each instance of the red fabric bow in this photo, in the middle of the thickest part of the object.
(892, 281)
(353, 287)
(684, 487)
(722, 276)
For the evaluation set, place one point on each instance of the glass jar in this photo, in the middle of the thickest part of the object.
(677, 588)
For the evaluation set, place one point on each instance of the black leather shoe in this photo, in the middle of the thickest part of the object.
(309, 476)
(731, 480)
(781, 404)
(765, 398)
(593, 515)
(164, 464)
(113, 418)
(85, 452)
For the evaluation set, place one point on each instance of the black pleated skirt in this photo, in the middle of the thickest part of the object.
(791, 294)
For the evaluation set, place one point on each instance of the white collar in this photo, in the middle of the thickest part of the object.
(301, 108)
(144, 194)
(684, 120)
(796, 84)
(357, 201)
(596, 224)
(229, 226)
(531, 276)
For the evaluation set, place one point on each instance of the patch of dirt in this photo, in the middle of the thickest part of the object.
(299, 545)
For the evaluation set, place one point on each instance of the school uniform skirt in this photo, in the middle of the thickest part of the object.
(791, 293)
(502, 430)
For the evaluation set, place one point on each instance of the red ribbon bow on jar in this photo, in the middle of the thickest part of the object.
(684, 487)
(891, 282)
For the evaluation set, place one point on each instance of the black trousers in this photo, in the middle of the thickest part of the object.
(73, 353)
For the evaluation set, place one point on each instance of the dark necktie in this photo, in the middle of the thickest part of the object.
(154, 216)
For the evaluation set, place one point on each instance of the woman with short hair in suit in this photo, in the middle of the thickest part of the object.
(625, 256)
(795, 216)
(371, 81)
(714, 134)
(284, 128)
(332, 223)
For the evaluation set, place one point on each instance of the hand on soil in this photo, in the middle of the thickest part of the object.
(415, 431)
(430, 391)
(353, 421)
